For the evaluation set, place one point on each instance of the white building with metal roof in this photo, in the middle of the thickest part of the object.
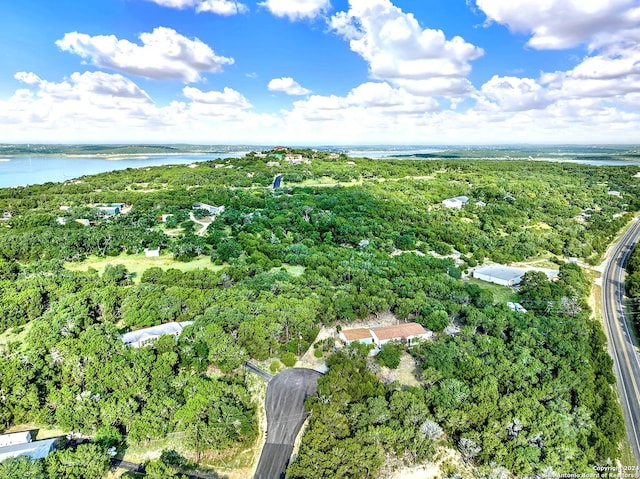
(142, 337)
(35, 449)
(10, 439)
(508, 275)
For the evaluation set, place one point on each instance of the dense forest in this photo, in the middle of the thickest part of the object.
(343, 239)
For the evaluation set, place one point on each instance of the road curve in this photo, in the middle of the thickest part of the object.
(622, 347)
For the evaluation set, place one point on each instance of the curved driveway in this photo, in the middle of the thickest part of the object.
(285, 410)
(622, 347)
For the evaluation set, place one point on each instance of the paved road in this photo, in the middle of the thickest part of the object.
(621, 343)
(263, 374)
(285, 410)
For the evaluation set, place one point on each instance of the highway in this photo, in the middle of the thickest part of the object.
(622, 347)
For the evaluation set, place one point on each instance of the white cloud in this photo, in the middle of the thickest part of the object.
(287, 85)
(219, 7)
(164, 54)
(85, 105)
(400, 51)
(297, 9)
(511, 94)
(228, 97)
(558, 24)
(374, 102)
(27, 77)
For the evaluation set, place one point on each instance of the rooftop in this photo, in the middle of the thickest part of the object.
(356, 334)
(404, 330)
(153, 332)
(35, 449)
(21, 437)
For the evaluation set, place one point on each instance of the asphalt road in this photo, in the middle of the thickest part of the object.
(285, 410)
(622, 348)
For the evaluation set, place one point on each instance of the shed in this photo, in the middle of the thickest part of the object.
(151, 253)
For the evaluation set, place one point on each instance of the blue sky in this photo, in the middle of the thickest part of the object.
(309, 72)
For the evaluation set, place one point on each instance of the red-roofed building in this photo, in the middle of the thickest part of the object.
(405, 332)
(361, 335)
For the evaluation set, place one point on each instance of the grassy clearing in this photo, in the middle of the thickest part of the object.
(293, 270)
(138, 264)
(15, 335)
(501, 294)
(327, 181)
(42, 432)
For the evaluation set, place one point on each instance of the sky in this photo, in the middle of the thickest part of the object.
(320, 72)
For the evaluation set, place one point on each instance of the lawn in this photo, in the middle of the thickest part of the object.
(501, 294)
(138, 264)
(15, 335)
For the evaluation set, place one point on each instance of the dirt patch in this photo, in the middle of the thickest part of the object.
(403, 374)
(449, 458)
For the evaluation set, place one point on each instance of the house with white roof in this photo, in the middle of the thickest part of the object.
(456, 202)
(213, 210)
(142, 337)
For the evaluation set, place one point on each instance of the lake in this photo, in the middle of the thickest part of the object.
(32, 170)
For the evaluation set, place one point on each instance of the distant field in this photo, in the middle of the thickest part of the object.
(138, 264)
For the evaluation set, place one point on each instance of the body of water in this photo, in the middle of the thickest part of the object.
(32, 170)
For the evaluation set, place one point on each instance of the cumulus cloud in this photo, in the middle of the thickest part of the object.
(400, 51)
(608, 76)
(219, 7)
(297, 9)
(559, 24)
(81, 106)
(513, 94)
(226, 97)
(29, 78)
(365, 102)
(164, 54)
(287, 85)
